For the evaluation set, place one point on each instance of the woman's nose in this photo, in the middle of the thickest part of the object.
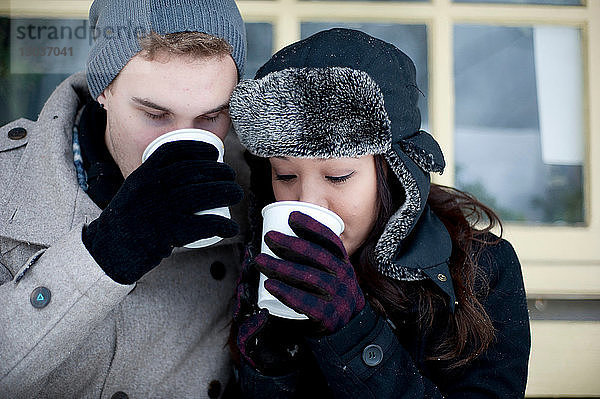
(312, 194)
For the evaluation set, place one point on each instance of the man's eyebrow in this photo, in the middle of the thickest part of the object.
(150, 104)
(217, 109)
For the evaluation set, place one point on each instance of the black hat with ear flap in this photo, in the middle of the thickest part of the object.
(343, 93)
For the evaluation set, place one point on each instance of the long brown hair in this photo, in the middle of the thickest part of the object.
(469, 330)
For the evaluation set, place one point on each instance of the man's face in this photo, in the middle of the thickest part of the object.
(150, 98)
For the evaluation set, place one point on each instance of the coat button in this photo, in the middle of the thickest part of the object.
(17, 133)
(40, 297)
(218, 270)
(372, 355)
(214, 389)
(119, 395)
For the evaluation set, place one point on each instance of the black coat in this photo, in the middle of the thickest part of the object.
(370, 358)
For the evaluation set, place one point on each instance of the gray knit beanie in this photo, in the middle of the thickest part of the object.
(117, 24)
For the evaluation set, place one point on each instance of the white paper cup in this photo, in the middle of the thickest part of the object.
(275, 217)
(195, 135)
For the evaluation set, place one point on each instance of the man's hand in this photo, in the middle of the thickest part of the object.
(153, 211)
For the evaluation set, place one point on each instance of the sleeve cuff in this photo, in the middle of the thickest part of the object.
(359, 347)
(253, 384)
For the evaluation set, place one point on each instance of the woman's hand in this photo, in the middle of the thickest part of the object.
(271, 345)
(314, 275)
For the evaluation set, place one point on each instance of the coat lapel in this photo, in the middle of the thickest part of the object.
(43, 201)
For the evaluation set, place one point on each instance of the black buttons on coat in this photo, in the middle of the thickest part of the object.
(218, 270)
(119, 395)
(214, 389)
(40, 297)
(17, 133)
(372, 355)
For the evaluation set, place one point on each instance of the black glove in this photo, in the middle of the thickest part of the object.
(270, 344)
(153, 211)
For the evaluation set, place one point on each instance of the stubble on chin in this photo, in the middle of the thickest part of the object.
(125, 165)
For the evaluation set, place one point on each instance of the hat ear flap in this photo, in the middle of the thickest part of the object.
(424, 151)
(402, 221)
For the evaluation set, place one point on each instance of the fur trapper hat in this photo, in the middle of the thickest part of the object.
(343, 93)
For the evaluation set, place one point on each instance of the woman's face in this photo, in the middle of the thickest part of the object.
(346, 186)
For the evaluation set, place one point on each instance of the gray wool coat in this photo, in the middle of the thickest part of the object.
(164, 337)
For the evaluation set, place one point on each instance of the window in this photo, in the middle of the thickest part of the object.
(525, 83)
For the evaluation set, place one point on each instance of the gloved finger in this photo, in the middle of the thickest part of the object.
(198, 197)
(299, 300)
(237, 305)
(179, 150)
(248, 264)
(249, 274)
(300, 276)
(311, 230)
(299, 250)
(194, 171)
(246, 284)
(242, 304)
(191, 228)
(248, 330)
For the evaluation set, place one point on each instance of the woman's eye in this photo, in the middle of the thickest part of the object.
(339, 179)
(155, 116)
(285, 177)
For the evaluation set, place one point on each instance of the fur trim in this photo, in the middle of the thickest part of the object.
(421, 158)
(399, 224)
(328, 113)
(311, 113)
(424, 151)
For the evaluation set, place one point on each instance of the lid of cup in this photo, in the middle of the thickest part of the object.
(297, 205)
(185, 134)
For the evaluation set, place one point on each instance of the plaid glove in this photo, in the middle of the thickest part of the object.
(272, 345)
(314, 276)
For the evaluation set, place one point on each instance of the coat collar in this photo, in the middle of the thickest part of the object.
(42, 200)
(423, 254)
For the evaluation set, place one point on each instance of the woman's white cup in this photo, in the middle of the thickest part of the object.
(275, 217)
(195, 135)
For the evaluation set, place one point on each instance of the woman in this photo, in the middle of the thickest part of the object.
(414, 300)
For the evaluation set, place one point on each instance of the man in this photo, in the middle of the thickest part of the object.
(98, 298)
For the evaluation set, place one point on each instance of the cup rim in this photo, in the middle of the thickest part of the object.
(306, 205)
(160, 140)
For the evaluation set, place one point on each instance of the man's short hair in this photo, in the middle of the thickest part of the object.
(193, 44)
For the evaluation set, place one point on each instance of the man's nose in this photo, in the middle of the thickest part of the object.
(184, 125)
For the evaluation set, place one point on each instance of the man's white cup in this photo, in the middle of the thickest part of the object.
(195, 135)
(275, 217)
